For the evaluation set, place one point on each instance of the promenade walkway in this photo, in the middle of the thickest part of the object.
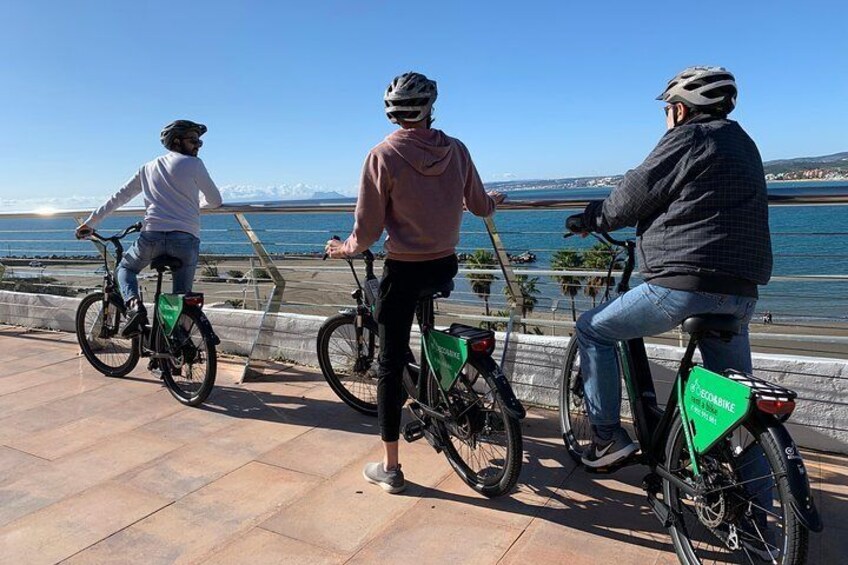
(99, 470)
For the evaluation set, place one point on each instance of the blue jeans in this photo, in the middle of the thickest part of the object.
(649, 310)
(153, 244)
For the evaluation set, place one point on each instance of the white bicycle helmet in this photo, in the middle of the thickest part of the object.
(410, 98)
(702, 88)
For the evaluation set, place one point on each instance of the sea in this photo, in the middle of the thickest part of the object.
(807, 241)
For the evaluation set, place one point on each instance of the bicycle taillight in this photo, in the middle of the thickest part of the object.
(775, 406)
(194, 299)
(486, 345)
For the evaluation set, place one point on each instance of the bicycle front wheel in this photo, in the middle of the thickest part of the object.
(483, 444)
(98, 333)
(189, 372)
(744, 515)
(349, 361)
(573, 413)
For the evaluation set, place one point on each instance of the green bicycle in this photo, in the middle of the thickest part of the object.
(180, 341)
(726, 480)
(462, 402)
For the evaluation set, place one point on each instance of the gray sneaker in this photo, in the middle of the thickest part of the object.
(604, 453)
(390, 481)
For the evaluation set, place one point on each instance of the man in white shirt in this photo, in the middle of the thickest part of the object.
(175, 186)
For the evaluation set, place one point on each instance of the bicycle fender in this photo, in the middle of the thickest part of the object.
(207, 325)
(511, 404)
(799, 483)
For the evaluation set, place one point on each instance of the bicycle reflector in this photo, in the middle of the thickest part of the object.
(485, 345)
(775, 407)
(193, 299)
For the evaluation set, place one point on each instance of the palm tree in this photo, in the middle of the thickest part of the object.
(530, 292)
(481, 283)
(565, 260)
(598, 258)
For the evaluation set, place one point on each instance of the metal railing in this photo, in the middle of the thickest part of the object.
(276, 268)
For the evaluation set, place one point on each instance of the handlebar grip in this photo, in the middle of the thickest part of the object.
(327, 255)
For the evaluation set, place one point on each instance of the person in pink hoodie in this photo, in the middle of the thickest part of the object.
(415, 185)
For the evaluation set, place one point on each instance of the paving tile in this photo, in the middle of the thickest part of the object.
(367, 508)
(427, 535)
(77, 472)
(59, 388)
(191, 528)
(261, 547)
(65, 410)
(607, 511)
(322, 451)
(14, 463)
(189, 425)
(63, 529)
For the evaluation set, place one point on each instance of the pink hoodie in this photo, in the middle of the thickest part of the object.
(414, 185)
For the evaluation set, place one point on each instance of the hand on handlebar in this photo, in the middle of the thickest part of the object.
(334, 248)
(498, 197)
(575, 224)
(84, 231)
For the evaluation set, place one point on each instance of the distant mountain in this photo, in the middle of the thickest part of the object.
(827, 166)
(324, 195)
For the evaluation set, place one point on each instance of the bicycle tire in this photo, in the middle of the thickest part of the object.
(113, 356)
(457, 437)
(573, 415)
(338, 358)
(193, 354)
(751, 530)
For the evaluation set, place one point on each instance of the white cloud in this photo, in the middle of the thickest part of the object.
(231, 193)
(503, 177)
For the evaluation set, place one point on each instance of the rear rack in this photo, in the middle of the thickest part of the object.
(760, 388)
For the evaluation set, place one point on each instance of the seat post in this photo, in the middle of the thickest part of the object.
(686, 363)
(425, 317)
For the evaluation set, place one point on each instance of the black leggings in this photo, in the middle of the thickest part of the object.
(399, 288)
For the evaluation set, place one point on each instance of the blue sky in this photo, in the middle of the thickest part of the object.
(292, 91)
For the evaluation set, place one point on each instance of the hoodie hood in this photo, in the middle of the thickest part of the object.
(428, 151)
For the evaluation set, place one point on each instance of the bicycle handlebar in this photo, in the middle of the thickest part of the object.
(136, 227)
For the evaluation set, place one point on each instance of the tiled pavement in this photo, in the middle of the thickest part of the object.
(99, 470)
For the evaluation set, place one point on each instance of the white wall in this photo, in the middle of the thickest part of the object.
(534, 363)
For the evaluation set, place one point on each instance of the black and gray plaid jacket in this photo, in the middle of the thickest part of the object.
(699, 205)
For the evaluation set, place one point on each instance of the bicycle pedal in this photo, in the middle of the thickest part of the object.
(413, 431)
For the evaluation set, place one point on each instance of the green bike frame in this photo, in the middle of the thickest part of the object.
(711, 405)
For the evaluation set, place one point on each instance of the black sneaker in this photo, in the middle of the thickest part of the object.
(136, 319)
(606, 453)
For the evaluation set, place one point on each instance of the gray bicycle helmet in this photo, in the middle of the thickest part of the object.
(179, 128)
(410, 97)
(702, 88)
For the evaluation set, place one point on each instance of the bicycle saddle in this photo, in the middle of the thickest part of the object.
(705, 323)
(165, 262)
(440, 291)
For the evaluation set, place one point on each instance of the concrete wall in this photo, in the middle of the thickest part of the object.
(534, 362)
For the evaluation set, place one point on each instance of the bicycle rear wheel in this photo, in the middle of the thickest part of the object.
(98, 333)
(190, 371)
(573, 414)
(349, 364)
(483, 445)
(745, 514)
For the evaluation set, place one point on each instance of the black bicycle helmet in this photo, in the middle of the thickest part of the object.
(702, 88)
(179, 128)
(410, 98)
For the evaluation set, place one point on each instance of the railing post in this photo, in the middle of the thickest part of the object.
(516, 297)
(272, 307)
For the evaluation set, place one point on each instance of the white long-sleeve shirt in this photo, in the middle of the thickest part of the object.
(175, 187)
